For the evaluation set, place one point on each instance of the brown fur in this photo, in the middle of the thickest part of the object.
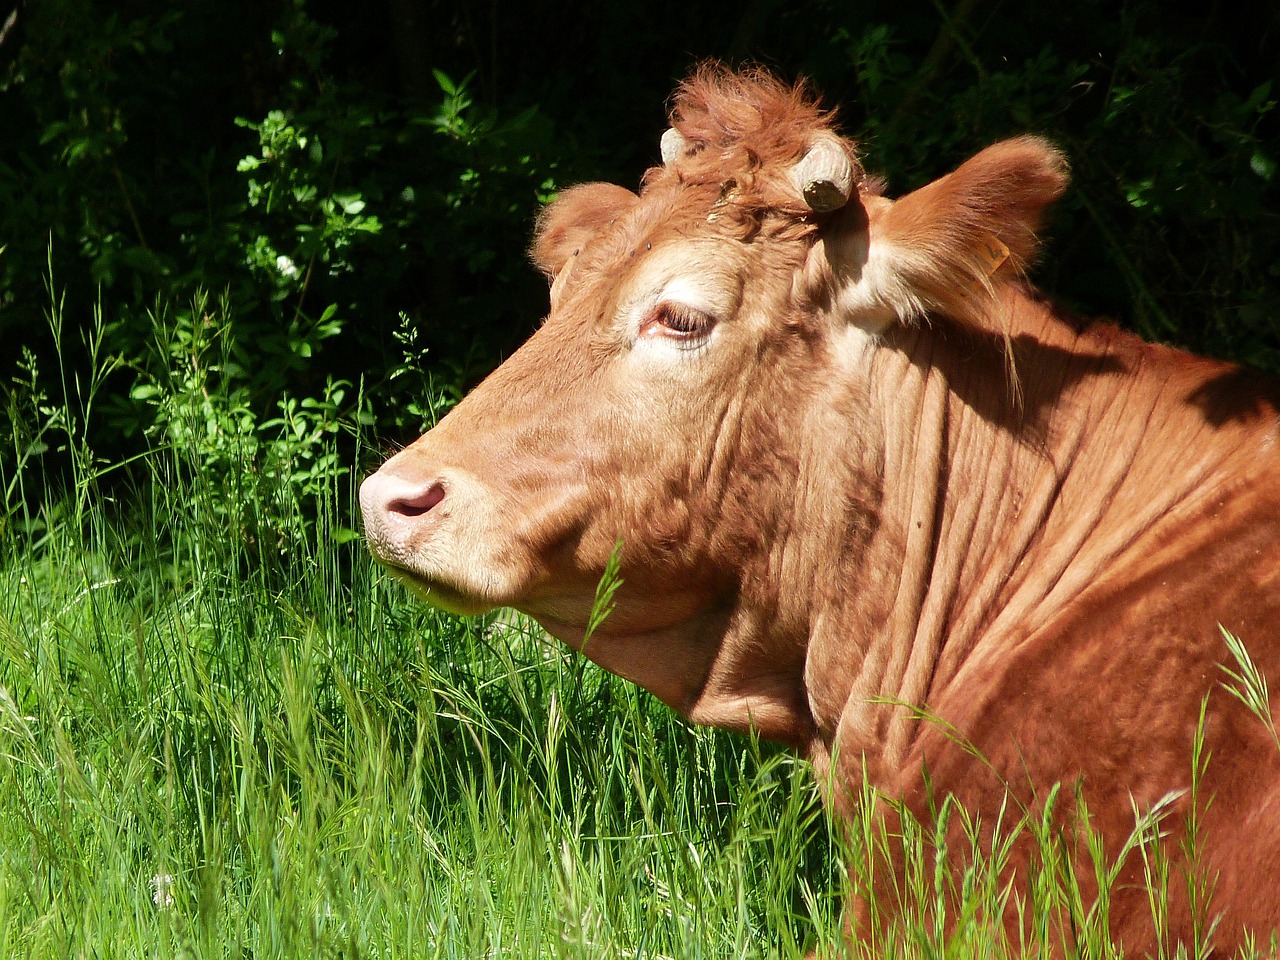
(577, 215)
(742, 132)
(1001, 193)
(835, 518)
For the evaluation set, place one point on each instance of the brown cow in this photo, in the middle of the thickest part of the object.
(858, 466)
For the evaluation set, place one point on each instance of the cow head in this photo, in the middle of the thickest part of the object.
(700, 394)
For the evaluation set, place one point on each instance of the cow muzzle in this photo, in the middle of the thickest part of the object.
(396, 513)
(433, 533)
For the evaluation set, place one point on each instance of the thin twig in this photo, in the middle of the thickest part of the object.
(128, 202)
(948, 38)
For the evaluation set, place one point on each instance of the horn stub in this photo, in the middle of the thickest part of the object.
(672, 145)
(824, 176)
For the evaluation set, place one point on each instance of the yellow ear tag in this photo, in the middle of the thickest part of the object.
(992, 253)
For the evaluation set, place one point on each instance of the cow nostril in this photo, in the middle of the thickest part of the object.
(419, 503)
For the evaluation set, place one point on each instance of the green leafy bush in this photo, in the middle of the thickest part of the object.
(351, 183)
(317, 222)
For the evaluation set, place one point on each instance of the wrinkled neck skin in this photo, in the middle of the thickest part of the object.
(954, 536)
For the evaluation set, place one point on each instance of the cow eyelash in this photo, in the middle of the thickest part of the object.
(676, 320)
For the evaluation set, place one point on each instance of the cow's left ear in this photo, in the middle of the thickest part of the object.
(942, 248)
(566, 225)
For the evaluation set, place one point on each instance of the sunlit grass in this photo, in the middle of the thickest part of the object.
(195, 762)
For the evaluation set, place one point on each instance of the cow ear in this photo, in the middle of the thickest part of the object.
(943, 247)
(566, 225)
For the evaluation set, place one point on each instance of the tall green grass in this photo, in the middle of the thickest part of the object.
(224, 732)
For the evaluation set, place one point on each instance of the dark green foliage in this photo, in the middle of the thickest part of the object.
(1167, 115)
(351, 188)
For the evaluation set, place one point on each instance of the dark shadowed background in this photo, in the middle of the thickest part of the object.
(345, 191)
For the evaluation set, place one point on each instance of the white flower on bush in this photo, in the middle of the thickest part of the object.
(287, 267)
(162, 890)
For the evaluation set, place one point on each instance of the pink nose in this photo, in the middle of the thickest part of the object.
(389, 499)
(414, 503)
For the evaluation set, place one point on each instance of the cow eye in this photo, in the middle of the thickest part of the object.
(677, 321)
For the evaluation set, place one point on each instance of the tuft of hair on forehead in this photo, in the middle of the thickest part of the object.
(743, 131)
(750, 111)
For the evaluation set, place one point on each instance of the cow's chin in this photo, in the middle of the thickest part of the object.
(444, 596)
